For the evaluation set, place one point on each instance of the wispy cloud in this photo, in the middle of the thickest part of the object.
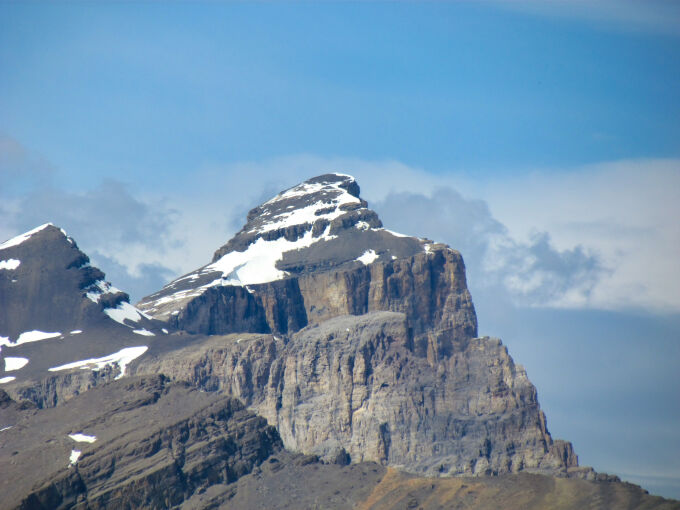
(21, 168)
(654, 16)
(123, 234)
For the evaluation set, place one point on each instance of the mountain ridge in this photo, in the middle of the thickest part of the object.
(354, 343)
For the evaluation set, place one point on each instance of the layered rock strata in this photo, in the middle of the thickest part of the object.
(356, 385)
(134, 443)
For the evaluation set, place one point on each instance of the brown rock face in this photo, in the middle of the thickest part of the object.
(429, 288)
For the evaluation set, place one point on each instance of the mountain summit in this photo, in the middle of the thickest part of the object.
(313, 252)
(377, 327)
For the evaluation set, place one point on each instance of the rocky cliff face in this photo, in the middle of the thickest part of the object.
(356, 386)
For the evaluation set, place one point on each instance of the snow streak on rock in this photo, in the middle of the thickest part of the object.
(121, 358)
(75, 454)
(368, 257)
(144, 332)
(22, 237)
(82, 438)
(125, 311)
(28, 336)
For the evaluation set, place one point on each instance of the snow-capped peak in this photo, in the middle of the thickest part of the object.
(322, 198)
(319, 224)
(23, 237)
(334, 183)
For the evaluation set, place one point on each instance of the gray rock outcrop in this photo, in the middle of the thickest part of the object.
(356, 384)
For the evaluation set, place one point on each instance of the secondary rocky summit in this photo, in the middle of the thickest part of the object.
(57, 311)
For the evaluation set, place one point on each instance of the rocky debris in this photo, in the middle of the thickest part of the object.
(287, 480)
(355, 384)
(311, 253)
(135, 443)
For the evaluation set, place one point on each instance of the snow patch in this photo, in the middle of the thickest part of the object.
(6, 428)
(75, 454)
(309, 214)
(76, 331)
(122, 358)
(329, 205)
(9, 264)
(395, 234)
(125, 311)
(82, 438)
(26, 337)
(144, 332)
(7, 379)
(368, 257)
(258, 263)
(12, 364)
(22, 237)
(101, 287)
(164, 330)
(309, 188)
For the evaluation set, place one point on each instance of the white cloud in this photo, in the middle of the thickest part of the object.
(602, 236)
(626, 211)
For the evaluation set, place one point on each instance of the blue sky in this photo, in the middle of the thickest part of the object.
(445, 86)
(539, 138)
